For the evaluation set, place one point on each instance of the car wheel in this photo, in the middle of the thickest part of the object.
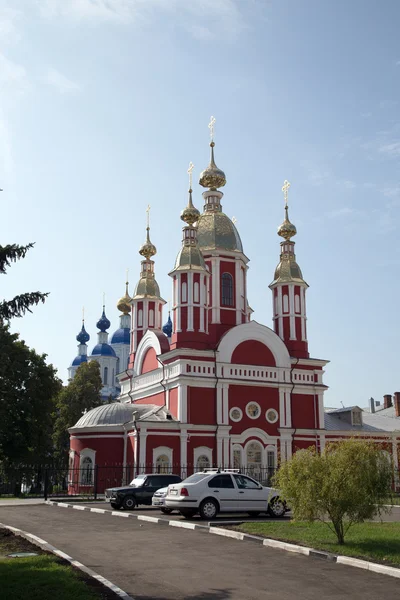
(253, 513)
(277, 508)
(187, 513)
(166, 511)
(208, 509)
(129, 503)
(113, 505)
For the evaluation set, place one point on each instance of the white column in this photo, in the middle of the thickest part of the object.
(288, 411)
(190, 301)
(219, 403)
(142, 449)
(322, 442)
(167, 398)
(303, 314)
(238, 291)
(216, 300)
(145, 315)
(282, 417)
(291, 312)
(219, 450)
(225, 403)
(226, 452)
(280, 312)
(321, 412)
(182, 403)
(202, 301)
(184, 438)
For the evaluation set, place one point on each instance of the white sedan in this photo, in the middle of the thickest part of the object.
(212, 491)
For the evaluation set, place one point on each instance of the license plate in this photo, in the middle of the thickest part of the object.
(156, 502)
(173, 492)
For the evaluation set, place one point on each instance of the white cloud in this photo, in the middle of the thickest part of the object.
(341, 212)
(203, 19)
(11, 74)
(6, 155)
(61, 82)
(392, 149)
(8, 31)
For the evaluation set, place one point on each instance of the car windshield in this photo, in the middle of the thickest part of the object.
(138, 481)
(195, 478)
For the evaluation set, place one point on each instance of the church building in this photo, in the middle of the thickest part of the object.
(213, 386)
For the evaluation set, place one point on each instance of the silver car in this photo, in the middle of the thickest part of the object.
(158, 500)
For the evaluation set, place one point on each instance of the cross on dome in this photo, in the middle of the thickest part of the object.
(190, 172)
(211, 127)
(285, 190)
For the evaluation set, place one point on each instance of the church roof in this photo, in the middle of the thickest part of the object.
(78, 360)
(216, 231)
(121, 336)
(118, 413)
(103, 350)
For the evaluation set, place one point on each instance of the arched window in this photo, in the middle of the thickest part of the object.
(196, 294)
(237, 458)
(184, 292)
(105, 376)
(203, 462)
(87, 471)
(254, 459)
(151, 318)
(285, 303)
(163, 464)
(227, 289)
(140, 318)
(297, 303)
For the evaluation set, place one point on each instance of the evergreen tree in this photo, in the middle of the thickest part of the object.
(18, 306)
(80, 395)
(28, 387)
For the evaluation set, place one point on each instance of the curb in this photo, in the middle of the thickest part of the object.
(37, 541)
(238, 535)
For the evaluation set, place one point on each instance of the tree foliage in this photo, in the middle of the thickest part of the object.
(28, 387)
(80, 395)
(22, 303)
(347, 483)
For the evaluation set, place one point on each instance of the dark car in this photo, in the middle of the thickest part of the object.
(140, 490)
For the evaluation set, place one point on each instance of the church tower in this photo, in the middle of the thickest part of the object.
(289, 292)
(190, 278)
(120, 340)
(83, 337)
(146, 302)
(222, 249)
(104, 354)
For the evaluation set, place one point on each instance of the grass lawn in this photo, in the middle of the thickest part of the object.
(379, 542)
(43, 577)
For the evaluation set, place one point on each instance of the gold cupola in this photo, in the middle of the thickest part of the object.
(124, 303)
(212, 177)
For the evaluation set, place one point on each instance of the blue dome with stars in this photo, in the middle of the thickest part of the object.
(103, 323)
(83, 335)
(167, 328)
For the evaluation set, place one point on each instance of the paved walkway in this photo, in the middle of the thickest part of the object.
(21, 501)
(154, 562)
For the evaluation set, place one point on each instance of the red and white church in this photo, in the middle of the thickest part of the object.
(213, 386)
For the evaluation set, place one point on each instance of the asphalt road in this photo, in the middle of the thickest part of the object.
(156, 562)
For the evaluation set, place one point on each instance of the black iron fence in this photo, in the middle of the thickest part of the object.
(91, 481)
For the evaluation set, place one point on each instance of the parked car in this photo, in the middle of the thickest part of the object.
(139, 491)
(159, 500)
(215, 490)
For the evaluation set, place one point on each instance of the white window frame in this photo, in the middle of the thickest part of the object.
(276, 415)
(86, 453)
(259, 408)
(202, 451)
(161, 451)
(231, 411)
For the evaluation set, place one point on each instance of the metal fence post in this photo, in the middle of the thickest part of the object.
(46, 483)
(96, 476)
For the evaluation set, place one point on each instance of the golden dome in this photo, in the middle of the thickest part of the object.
(190, 258)
(148, 249)
(287, 230)
(190, 214)
(216, 231)
(212, 177)
(147, 287)
(124, 303)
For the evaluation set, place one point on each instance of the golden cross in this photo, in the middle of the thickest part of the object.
(148, 216)
(211, 127)
(127, 276)
(285, 190)
(104, 298)
(234, 220)
(83, 313)
(190, 169)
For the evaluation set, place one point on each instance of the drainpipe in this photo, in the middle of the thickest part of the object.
(291, 399)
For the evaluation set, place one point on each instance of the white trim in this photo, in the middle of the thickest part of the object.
(254, 432)
(288, 411)
(225, 404)
(202, 451)
(182, 403)
(149, 340)
(183, 449)
(253, 331)
(219, 403)
(252, 402)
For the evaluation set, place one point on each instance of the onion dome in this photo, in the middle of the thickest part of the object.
(83, 335)
(103, 323)
(190, 214)
(103, 349)
(287, 230)
(124, 303)
(167, 328)
(148, 249)
(121, 336)
(78, 360)
(212, 177)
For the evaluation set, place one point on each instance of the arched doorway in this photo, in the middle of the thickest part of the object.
(254, 460)
(203, 462)
(162, 464)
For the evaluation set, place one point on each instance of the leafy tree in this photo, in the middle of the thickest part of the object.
(80, 395)
(28, 386)
(347, 483)
(18, 306)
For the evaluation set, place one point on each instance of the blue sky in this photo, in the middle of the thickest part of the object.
(103, 103)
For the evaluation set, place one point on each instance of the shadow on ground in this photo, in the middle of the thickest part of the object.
(213, 595)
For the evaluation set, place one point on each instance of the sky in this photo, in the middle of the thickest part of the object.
(103, 104)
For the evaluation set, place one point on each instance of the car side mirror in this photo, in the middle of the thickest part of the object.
(260, 487)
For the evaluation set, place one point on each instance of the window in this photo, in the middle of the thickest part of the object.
(271, 415)
(203, 462)
(237, 458)
(221, 481)
(151, 318)
(105, 376)
(87, 471)
(271, 459)
(285, 304)
(253, 410)
(163, 464)
(297, 303)
(140, 318)
(196, 293)
(236, 414)
(184, 292)
(245, 483)
(227, 289)
(254, 452)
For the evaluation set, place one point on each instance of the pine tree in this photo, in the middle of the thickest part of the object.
(18, 306)
(79, 396)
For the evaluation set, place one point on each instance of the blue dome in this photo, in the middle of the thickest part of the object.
(167, 328)
(83, 335)
(103, 323)
(78, 360)
(121, 336)
(103, 350)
